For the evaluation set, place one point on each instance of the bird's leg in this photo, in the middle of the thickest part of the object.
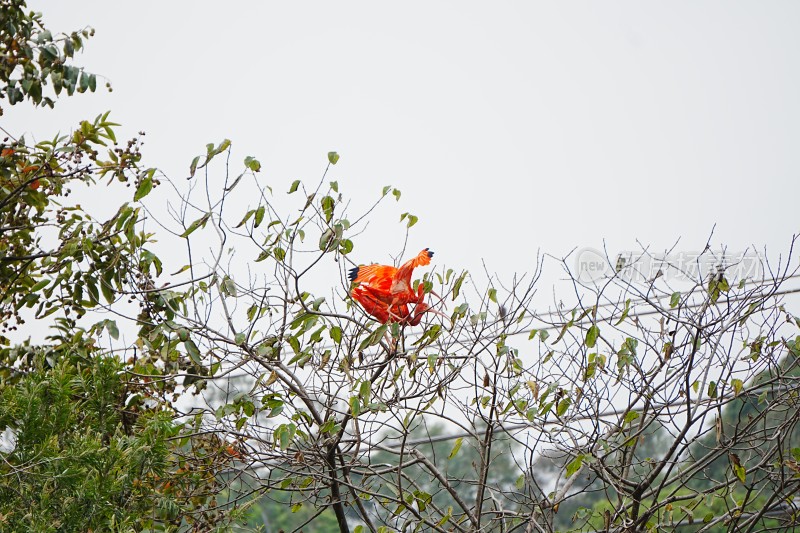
(397, 311)
(394, 317)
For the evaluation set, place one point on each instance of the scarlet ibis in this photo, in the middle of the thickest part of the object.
(385, 292)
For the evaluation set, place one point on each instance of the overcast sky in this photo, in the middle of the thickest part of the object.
(510, 127)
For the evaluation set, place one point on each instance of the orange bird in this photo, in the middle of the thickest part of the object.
(385, 291)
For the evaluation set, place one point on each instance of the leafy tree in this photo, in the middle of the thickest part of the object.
(89, 443)
(83, 461)
(33, 59)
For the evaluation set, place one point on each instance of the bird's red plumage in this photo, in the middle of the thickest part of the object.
(385, 292)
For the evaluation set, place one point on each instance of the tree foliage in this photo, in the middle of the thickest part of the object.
(87, 443)
(82, 460)
(32, 58)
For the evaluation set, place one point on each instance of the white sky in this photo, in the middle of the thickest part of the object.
(510, 127)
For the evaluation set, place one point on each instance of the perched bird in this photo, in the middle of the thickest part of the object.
(385, 292)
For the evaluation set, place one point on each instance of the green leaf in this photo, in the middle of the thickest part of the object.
(44, 37)
(346, 246)
(222, 146)
(457, 285)
(259, 216)
(374, 338)
(333, 157)
(396, 194)
(148, 258)
(423, 499)
(336, 334)
(105, 287)
(328, 426)
(630, 416)
(193, 166)
(430, 335)
(84, 83)
(674, 300)
(365, 391)
(200, 222)
(543, 335)
(432, 359)
(461, 310)
(94, 296)
(144, 188)
(796, 454)
(592, 335)
(737, 385)
(40, 285)
(624, 312)
(563, 331)
(355, 406)
(755, 348)
(574, 465)
(740, 472)
(229, 287)
(327, 207)
(295, 344)
(716, 286)
(712, 389)
(631, 344)
(456, 447)
(295, 185)
(493, 295)
(326, 239)
(252, 163)
(111, 327)
(193, 351)
(563, 405)
(285, 435)
(591, 369)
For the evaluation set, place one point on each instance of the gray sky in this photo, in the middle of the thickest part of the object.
(510, 127)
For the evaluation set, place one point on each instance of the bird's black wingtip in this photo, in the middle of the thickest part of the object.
(353, 274)
(430, 253)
